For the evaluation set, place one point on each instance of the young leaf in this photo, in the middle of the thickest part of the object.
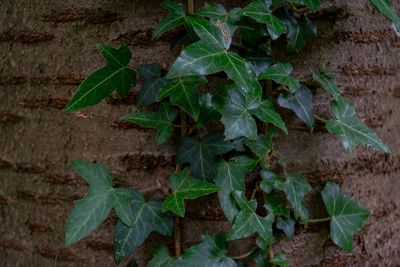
(262, 145)
(280, 73)
(299, 31)
(153, 82)
(201, 155)
(184, 187)
(301, 104)
(287, 226)
(247, 222)
(350, 129)
(280, 259)
(230, 177)
(296, 187)
(209, 253)
(93, 209)
(260, 11)
(116, 75)
(347, 216)
(161, 120)
(183, 93)
(147, 217)
(175, 18)
(326, 79)
(386, 8)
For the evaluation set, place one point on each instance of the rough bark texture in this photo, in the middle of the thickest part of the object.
(48, 47)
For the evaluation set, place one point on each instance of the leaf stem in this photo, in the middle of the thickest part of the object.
(190, 6)
(245, 255)
(318, 118)
(320, 220)
(271, 255)
(177, 236)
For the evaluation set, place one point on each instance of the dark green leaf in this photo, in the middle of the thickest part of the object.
(201, 155)
(275, 206)
(280, 259)
(267, 113)
(260, 258)
(262, 145)
(207, 111)
(161, 258)
(300, 30)
(296, 187)
(280, 73)
(326, 79)
(350, 129)
(183, 93)
(147, 217)
(271, 181)
(210, 33)
(161, 120)
(386, 8)
(230, 177)
(153, 82)
(287, 226)
(260, 11)
(347, 216)
(175, 18)
(116, 75)
(184, 187)
(261, 64)
(94, 207)
(301, 103)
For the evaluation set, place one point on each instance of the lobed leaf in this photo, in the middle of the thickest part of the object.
(175, 18)
(296, 187)
(153, 82)
(281, 73)
(326, 79)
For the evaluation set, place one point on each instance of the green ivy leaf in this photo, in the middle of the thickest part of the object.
(347, 216)
(275, 207)
(280, 73)
(201, 155)
(147, 218)
(184, 187)
(210, 33)
(299, 31)
(207, 111)
(287, 226)
(230, 177)
(153, 82)
(116, 75)
(296, 187)
(247, 222)
(94, 207)
(262, 145)
(326, 79)
(267, 113)
(175, 18)
(301, 104)
(161, 120)
(270, 181)
(183, 93)
(209, 253)
(280, 259)
(204, 58)
(261, 64)
(260, 11)
(349, 129)
(386, 8)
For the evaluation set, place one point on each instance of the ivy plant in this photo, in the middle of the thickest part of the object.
(225, 134)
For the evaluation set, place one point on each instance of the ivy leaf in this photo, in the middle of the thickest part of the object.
(183, 93)
(280, 73)
(299, 31)
(275, 207)
(386, 8)
(161, 120)
(287, 226)
(262, 145)
(210, 33)
(347, 216)
(326, 79)
(280, 259)
(261, 64)
(260, 11)
(201, 155)
(204, 58)
(209, 253)
(296, 187)
(147, 218)
(267, 113)
(153, 82)
(301, 104)
(207, 111)
(247, 222)
(350, 130)
(184, 187)
(94, 207)
(116, 75)
(230, 177)
(271, 181)
(175, 18)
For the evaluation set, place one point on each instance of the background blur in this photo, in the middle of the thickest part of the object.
(48, 47)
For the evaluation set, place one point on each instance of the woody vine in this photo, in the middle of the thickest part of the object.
(224, 134)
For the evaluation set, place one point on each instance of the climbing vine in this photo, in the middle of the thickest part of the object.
(225, 132)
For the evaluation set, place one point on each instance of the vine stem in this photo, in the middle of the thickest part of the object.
(190, 7)
(318, 118)
(245, 255)
(320, 220)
